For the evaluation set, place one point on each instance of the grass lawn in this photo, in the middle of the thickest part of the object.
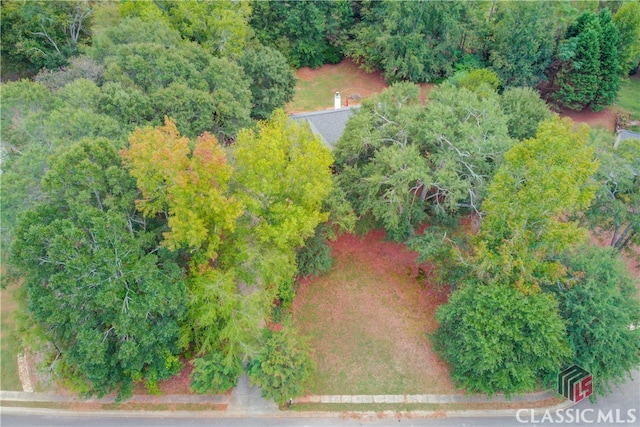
(9, 379)
(368, 320)
(316, 87)
(627, 99)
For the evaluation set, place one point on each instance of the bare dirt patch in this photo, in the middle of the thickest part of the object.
(604, 119)
(368, 320)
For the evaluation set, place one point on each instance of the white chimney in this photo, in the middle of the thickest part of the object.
(336, 101)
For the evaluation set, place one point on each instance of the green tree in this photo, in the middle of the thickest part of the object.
(599, 305)
(525, 109)
(417, 41)
(273, 83)
(178, 78)
(523, 42)
(615, 212)
(579, 73)
(541, 181)
(381, 170)
(283, 175)
(475, 79)
(627, 20)
(308, 33)
(609, 78)
(464, 136)
(97, 285)
(38, 34)
(221, 27)
(497, 339)
(282, 366)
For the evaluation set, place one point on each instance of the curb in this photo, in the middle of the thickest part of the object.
(42, 397)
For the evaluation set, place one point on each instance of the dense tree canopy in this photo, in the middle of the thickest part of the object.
(616, 208)
(498, 339)
(97, 286)
(599, 305)
(309, 33)
(38, 34)
(523, 42)
(627, 21)
(542, 180)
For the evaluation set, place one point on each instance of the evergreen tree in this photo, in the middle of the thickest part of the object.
(579, 74)
(609, 81)
(627, 20)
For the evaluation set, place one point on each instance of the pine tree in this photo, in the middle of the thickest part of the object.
(609, 81)
(578, 78)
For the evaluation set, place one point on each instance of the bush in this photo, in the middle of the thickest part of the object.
(215, 372)
(282, 366)
(314, 258)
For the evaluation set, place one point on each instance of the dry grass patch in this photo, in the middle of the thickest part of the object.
(10, 379)
(368, 321)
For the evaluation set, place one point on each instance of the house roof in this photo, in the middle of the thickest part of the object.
(627, 134)
(328, 124)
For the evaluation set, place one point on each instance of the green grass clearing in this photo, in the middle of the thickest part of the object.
(9, 377)
(628, 101)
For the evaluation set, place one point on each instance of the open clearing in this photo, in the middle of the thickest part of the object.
(368, 321)
(316, 87)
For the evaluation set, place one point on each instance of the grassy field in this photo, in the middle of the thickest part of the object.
(368, 320)
(628, 98)
(9, 378)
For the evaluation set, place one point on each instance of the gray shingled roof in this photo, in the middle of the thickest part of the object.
(627, 134)
(328, 124)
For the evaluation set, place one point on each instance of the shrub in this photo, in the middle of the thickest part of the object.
(282, 366)
(215, 372)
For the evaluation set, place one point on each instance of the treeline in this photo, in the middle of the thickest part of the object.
(575, 52)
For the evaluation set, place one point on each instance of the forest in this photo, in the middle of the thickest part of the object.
(158, 205)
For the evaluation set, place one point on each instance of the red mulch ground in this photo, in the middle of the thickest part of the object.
(603, 119)
(374, 293)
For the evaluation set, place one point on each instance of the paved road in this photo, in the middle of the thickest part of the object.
(623, 403)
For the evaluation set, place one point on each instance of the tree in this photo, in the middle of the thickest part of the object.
(38, 34)
(524, 231)
(283, 173)
(307, 33)
(580, 51)
(98, 286)
(599, 304)
(191, 185)
(474, 80)
(627, 21)
(609, 77)
(380, 169)
(282, 366)
(523, 42)
(221, 27)
(201, 92)
(417, 41)
(273, 83)
(497, 339)
(525, 109)
(397, 158)
(464, 136)
(615, 211)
